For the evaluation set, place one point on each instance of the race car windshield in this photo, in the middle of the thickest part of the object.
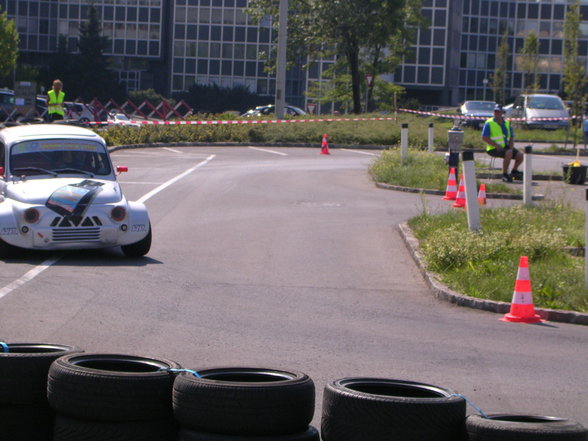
(55, 157)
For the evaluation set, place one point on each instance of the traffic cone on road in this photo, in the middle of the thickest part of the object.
(460, 201)
(451, 190)
(325, 146)
(482, 195)
(522, 309)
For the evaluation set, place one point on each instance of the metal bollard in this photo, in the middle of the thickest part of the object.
(528, 177)
(454, 142)
(471, 191)
(431, 139)
(404, 142)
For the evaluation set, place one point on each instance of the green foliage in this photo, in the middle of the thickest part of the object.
(530, 63)
(499, 79)
(9, 40)
(150, 95)
(483, 264)
(217, 99)
(356, 32)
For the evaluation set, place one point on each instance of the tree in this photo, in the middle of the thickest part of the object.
(530, 63)
(91, 63)
(9, 39)
(378, 31)
(574, 77)
(500, 78)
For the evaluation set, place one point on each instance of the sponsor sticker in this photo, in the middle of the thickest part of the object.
(138, 228)
(8, 231)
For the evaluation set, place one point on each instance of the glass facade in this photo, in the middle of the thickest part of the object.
(170, 45)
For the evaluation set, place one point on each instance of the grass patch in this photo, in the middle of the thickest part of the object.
(485, 264)
(421, 170)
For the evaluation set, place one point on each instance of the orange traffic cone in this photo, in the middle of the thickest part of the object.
(521, 308)
(451, 190)
(482, 195)
(325, 146)
(460, 201)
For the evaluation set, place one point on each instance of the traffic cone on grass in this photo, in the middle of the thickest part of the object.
(460, 201)
(451, 190)
(482, 195)
(522, 309)
(325, 146)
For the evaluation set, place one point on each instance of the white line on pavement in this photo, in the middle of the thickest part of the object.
(174, 180)
(30, 275)
(359, 151)
(171, 150)
(268, 151)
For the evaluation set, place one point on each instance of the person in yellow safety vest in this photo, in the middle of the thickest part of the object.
(55, 99)
(499, 138)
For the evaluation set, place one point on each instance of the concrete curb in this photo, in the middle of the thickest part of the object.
(442, 292)
(536, 197)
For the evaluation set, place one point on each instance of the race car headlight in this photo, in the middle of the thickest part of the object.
(31, 215)
(118, 213)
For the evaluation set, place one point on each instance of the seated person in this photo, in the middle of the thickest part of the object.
(499, 138)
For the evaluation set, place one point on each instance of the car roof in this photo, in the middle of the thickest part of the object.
(55, 130)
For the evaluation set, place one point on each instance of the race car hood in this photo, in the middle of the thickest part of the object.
(40, 191)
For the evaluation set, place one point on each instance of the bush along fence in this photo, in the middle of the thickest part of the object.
(54, 392)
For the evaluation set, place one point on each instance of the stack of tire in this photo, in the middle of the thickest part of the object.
(380, 409)
(244, 404)
(25, 414)
(112, 397)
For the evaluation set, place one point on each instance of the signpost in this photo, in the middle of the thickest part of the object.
(369, 78)
(311, 108)
(25, 98)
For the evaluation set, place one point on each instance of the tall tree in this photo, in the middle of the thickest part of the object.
(350, 28)
(574, 78)
(9, 39)
(500, 77)
(93, 63)
(530, 63)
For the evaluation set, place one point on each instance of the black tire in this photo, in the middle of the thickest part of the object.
(5, 249)
(111, 387)
(71, 429)
(138, 249)
(26, 423)
(377, 409)
(24, 369)
(311, 434)
(503, 427)
(244, 401)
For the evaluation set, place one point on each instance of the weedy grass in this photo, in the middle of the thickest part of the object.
(484, 264)
(421, 170)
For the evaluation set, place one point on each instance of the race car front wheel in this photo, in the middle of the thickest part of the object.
(138, 249)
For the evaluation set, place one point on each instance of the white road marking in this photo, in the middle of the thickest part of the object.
(30, 275)
(171, 150)
(359, 151)
(268, 151)
(174, 180)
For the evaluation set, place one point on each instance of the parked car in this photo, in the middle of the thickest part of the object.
(270, 108)
(541, 111)
(8, 105)
(58, 190)
(77, 112)
(120, 119)
(476, 112)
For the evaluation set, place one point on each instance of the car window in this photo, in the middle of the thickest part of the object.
(545, 102)
(479, 105)
(42, 156)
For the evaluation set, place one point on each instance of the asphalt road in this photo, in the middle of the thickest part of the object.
(287, 258)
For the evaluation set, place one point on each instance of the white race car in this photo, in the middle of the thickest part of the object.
(58, 190)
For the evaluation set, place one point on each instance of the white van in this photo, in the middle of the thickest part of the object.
(541, 111)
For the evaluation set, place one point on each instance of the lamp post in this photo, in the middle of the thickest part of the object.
(485, 83)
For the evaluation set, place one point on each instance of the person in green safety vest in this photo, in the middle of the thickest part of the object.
(55, 99)
(499, 138)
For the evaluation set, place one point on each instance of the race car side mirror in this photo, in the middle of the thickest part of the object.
(121, 168)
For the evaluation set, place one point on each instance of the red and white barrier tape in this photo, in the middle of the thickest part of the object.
(481, 118)
(280, 121)
(228, 122)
